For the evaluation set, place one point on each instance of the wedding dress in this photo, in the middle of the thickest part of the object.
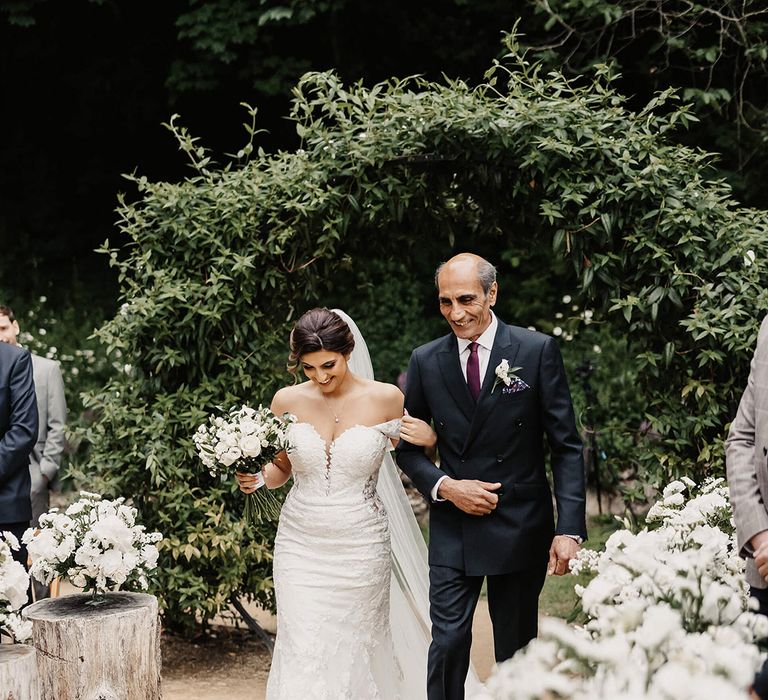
(332, 570)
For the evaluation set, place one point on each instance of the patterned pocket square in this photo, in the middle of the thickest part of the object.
(515, 387)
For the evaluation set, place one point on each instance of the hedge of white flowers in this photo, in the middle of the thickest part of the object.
(96, 544)
(14, 584)
(668, 614)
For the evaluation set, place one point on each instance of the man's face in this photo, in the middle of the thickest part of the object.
(462, 300)
(9, 330)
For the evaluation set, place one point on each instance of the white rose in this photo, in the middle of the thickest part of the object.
(248, 426)
(112, 530)
(149, 554)
(15, 582)
(250, 446)
(230, 456)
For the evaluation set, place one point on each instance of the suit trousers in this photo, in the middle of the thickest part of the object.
(760, 684)
(40, 496)
(513, 604)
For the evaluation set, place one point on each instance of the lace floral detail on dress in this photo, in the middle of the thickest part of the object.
(370, 494)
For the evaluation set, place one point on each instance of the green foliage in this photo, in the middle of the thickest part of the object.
(715, 53)
(216, 267)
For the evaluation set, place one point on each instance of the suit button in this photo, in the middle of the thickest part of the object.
(463, 460)
(442, 425)
(499, 458)
(519, 423)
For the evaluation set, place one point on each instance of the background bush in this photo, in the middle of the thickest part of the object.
(546, 174)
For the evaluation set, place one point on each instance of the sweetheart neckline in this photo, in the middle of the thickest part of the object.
(328, 446)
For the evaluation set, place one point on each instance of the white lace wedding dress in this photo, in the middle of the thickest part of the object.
(332, 571)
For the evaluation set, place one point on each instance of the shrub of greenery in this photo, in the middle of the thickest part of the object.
(214, 269)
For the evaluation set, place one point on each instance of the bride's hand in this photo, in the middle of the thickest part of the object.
(249, 482)
(417, 432)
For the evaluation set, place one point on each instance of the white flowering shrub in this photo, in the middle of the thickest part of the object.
(667, 614)
(96, 544)
(14, 587)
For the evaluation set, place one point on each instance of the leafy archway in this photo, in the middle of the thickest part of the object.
(217, 266)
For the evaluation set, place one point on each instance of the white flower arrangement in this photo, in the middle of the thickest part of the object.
(95, 544)
(244, 439)
(14, 584)
(668, 615)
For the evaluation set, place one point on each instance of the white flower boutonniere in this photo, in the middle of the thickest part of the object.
(506, 374)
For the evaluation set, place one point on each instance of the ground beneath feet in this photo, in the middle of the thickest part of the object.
(234, 666)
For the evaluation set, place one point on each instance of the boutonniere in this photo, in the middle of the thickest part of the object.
(506, 375)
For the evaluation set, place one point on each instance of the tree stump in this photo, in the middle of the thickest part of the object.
(97, 652)
(18, 672)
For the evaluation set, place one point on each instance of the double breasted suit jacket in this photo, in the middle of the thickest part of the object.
(746, 457)
(499, 438)
(18, 433)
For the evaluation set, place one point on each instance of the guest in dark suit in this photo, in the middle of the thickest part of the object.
(52, 417)
(491, 513)
(18, 434)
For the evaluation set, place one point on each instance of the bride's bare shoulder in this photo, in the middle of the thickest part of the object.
(386, 393)
(286, 399)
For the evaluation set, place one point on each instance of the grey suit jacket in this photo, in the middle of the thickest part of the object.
(52, 413)
(746, 458)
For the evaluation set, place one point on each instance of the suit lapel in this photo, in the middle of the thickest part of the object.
(448, 359)
(504, 346)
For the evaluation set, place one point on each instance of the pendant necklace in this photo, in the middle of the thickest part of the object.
(336, 416)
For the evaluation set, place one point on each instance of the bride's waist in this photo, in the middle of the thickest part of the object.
(329, 493)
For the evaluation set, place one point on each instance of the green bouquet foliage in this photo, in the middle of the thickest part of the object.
(214, 268)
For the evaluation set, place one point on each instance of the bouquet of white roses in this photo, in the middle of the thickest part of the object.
(244, 439)
(96, 544)
(14, 584)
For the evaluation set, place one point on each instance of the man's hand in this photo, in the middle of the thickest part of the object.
(561, 552)
(760, 552)
(470, 495)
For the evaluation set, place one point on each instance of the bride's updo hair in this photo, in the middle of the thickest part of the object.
(319, 329)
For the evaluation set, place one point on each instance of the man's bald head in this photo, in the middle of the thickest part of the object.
(486, 273)
(466, 290)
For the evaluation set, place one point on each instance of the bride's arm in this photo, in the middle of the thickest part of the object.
(278, 471)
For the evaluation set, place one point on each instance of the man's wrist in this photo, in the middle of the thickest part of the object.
(444, 488)
(578, 539)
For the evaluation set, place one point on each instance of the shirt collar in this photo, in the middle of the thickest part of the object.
(485, 340)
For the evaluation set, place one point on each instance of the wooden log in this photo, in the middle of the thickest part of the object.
(18, 672)
(105, 652)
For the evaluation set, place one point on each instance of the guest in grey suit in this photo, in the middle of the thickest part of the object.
(746, 462)
(52, 414)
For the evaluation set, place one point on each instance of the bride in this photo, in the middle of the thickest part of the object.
(350, 568)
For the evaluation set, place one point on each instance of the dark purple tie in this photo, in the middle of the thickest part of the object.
(473, 371)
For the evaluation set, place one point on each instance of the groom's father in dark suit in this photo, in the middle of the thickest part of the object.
(491, 515)
(18, 434)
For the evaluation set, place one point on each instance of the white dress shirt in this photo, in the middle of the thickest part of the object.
(485, 345)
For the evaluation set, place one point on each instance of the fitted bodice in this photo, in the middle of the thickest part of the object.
(349, 465)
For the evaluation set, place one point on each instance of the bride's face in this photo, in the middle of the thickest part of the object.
(324, 368)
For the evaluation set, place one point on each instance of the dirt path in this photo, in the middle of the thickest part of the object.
(234, 667)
